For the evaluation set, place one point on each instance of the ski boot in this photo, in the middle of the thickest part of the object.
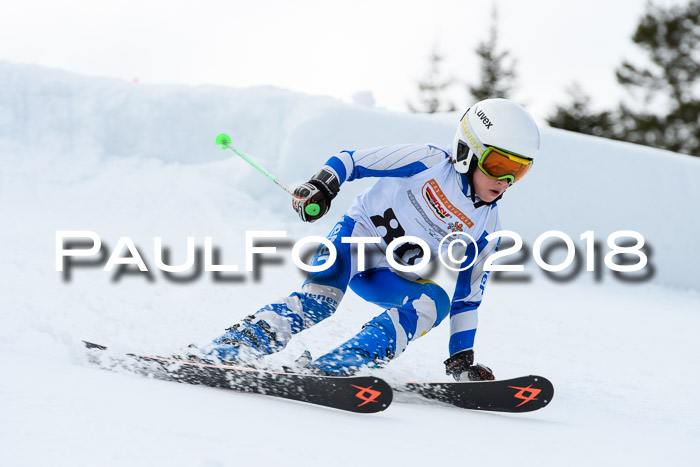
(370, 348)
(245, 342)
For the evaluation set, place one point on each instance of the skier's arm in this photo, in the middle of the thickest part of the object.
(467, 298)
(386, 161)
(468, 294)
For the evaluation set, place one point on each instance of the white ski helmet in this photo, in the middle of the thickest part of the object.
(498, 123)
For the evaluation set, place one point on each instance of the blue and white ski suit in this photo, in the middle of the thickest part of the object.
(419, 193)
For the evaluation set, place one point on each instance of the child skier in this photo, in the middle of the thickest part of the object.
(424, 191)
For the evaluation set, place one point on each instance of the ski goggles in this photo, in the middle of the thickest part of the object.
(501, 165)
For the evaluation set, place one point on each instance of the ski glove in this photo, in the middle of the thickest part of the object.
(312, 200)
(461, 367)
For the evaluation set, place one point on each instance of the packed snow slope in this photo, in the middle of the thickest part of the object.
(128, 160)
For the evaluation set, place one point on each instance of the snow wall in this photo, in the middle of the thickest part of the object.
(59, 130)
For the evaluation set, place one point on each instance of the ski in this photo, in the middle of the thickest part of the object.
(359, 394)
(523, 394)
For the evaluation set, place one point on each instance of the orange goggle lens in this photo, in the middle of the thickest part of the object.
(499, 164)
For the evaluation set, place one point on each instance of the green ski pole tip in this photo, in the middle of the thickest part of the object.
(312, 209)
(222, 140)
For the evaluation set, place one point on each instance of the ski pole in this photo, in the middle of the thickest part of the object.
(224, 141)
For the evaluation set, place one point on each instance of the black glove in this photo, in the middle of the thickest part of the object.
(461, 367)
(313, 199)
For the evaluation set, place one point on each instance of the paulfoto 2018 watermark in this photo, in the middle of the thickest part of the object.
(88, 244)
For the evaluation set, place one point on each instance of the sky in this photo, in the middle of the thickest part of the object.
(328, 47)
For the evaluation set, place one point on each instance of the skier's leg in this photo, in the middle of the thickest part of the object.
(270, 328)
(413, 309)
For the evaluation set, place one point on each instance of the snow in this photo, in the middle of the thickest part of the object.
(122, 159)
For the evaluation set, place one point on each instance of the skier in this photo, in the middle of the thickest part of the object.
(425, 191)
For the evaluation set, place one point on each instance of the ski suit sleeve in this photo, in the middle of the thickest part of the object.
(386, 161)
(469, 292)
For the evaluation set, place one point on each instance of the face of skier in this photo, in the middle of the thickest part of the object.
(487, 188)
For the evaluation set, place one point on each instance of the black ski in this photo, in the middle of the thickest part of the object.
(360, 394)
(523, 394)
